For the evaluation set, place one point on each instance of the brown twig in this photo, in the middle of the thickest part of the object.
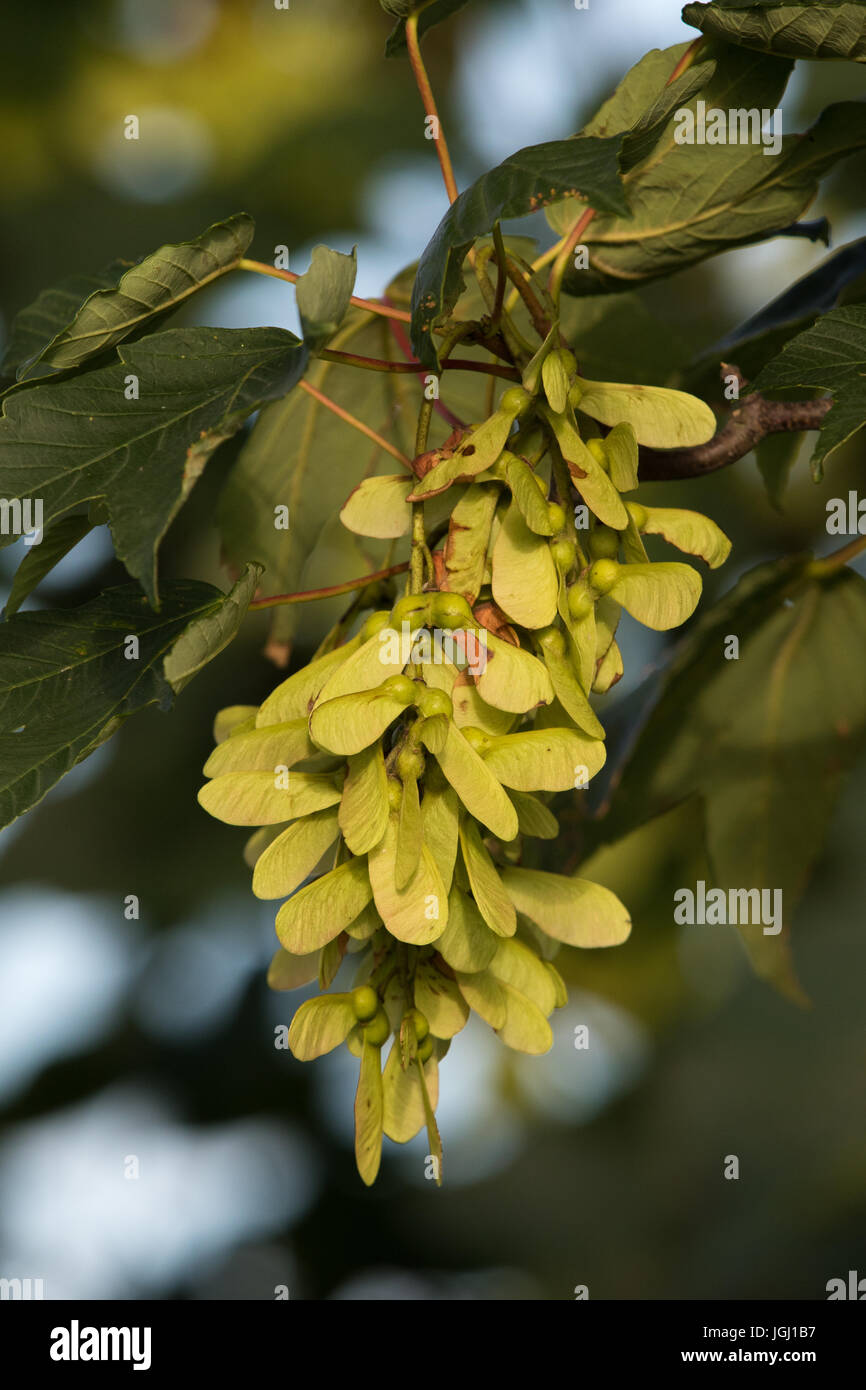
(754, 418)
(292, 278)
(426, 91)
(457, 364)
(332, 590)
(355, 423)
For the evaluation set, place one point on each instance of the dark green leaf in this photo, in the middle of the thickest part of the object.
(620, 337)
(68, 442)
(831, 355)
(434, 14)
(49, 314)
(41, 559)
(646, 132)
(583, 167)
(156, 284)
(691, 201)
(323, 294)
(207, 635)
(763, 739)
(67, 681)
(796, 29)
(765, 333)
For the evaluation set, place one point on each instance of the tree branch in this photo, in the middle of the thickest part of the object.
(754, 418)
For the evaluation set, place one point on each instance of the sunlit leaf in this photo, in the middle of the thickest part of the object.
(512, 680)
(260, 750)
(294, 697)
(320, 1025)
(660, 596)
(291, 972)
(439, 1000)
(688, 531)
(660, 418)
(369, 1114)
(266, 798)
(516, 965)
(293, 855)
(686, 206)
(417, 913)
(491, 898)
(327, 906)
(525, 579)
(476, 785)
(323, 294)
(404, 1103)
(467, 943)
(544, 759)
(572, 910)
(378, 507)
(364, 804)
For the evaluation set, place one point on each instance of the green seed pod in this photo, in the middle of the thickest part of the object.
(550, 639)
(603, 574)
(422, 1027)
(400, 688)
(365, 1002)
(555, 379)
(556, 516)
(564, 550)
(638, 514)
(374, 624)
(476, 737)
(378, 1030)
(599, 452)
(603, 543)
(450, 611)
(580, 603)
(425, 1050)
(514, 401)
(414, 609)
(410, 764)
(433, 702)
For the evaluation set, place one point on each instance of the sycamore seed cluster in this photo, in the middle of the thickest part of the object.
(406, 828)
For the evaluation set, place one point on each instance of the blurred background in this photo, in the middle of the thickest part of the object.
(154, 1142)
